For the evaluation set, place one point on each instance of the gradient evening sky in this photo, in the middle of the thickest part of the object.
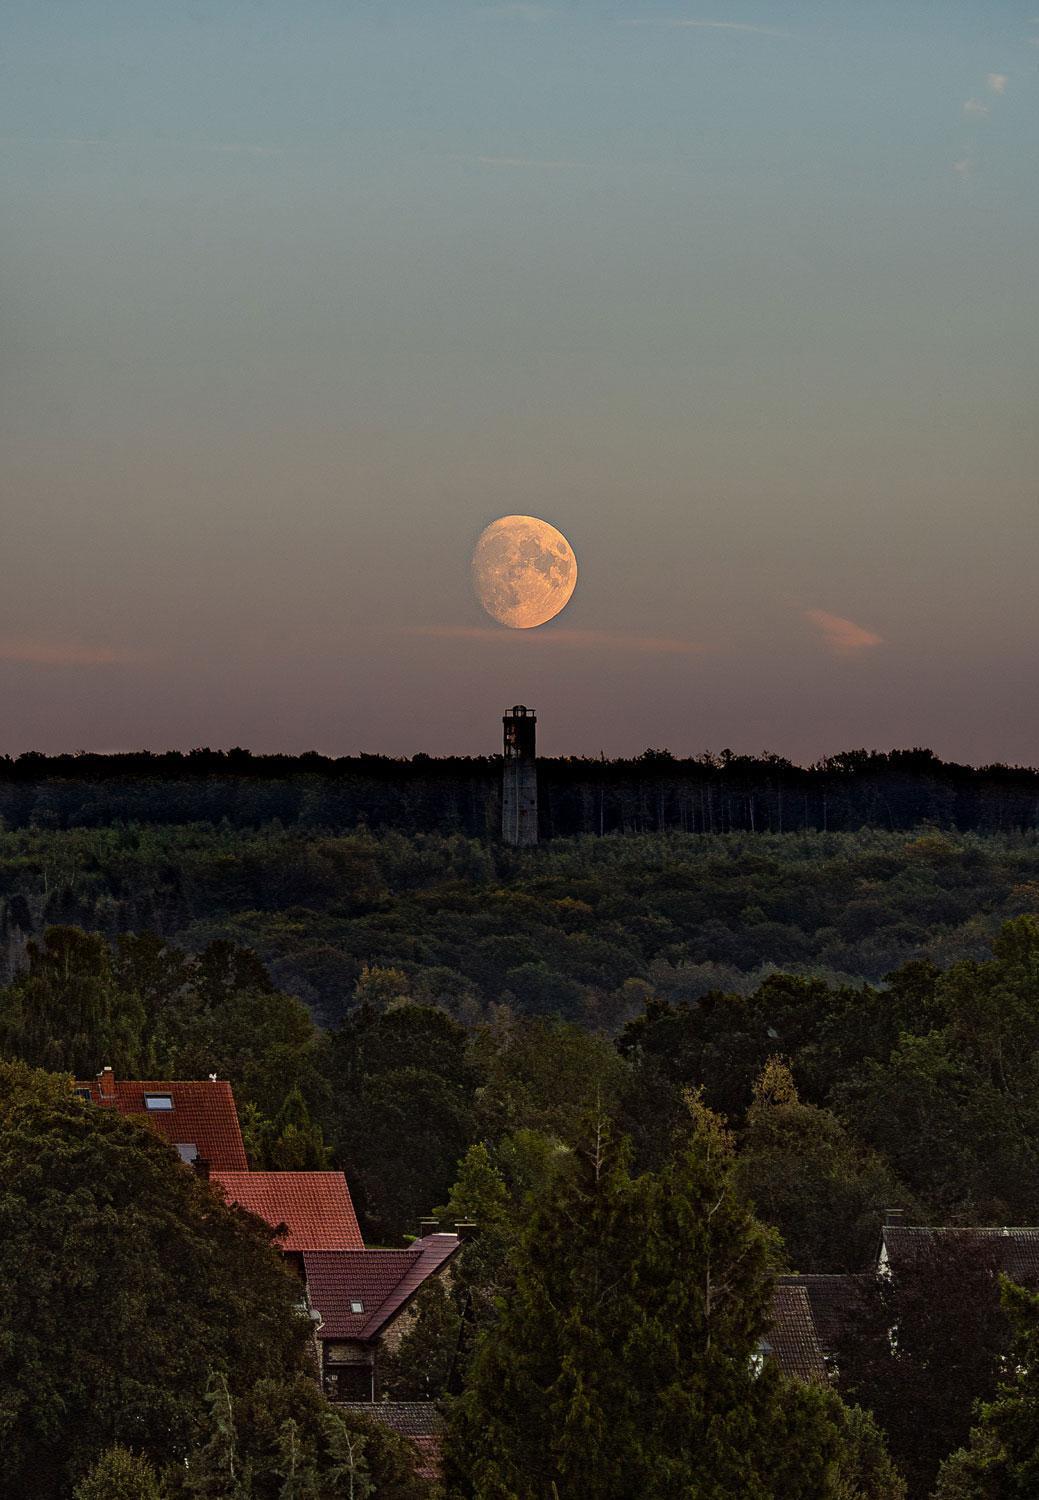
(296, 298)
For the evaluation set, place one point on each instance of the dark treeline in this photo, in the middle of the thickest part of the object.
(655, 791)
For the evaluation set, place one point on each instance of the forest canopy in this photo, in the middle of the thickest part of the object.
(582, 928)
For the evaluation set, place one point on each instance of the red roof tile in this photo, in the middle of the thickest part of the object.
(203, 1114)
(315, 1206)
(381, 1281)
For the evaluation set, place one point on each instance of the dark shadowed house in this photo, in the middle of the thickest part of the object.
(1014, 1251)
(830, 1299)
(791, 1338)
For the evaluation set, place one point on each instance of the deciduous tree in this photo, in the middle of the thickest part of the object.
(126, 1279)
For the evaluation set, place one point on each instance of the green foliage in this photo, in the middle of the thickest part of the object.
(922, 1346)
(291, 1142)
(217, 1467)
(119, 1475)
(623, 1361)
(381, 988)
(281, 1440)
(956, 1110)
(495, 1190)
(451, 918)
(424, 1366)
(126, 1280)
(543, 1075)
(296, 1445)
(151, 1010)
(802, 1173)
(67, 1011)
(1001, 1461)
(401, 1113)
(930, 1079)
(481, 1196)
(865, 1470)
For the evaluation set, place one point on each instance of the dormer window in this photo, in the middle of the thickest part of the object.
(158, 1101)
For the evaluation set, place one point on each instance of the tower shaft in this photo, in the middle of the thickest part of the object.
(519, 801)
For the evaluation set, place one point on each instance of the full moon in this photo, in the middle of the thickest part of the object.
(524, 571)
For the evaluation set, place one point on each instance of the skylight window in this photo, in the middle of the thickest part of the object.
(82, 1093)
(188, 1150)
(357, 1307)
(158, 1101)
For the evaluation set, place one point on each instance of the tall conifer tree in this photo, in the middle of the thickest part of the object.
(626, 1361)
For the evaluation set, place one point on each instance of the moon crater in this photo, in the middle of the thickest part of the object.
(524, 571)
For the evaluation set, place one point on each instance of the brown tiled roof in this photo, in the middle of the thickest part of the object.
(203, 1114)
(791, 1335)
(421, 1422)
(830, 1299)
(382, 1281)
(315, 1207)
(1016, 1250)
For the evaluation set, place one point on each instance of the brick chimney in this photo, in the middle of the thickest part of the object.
(427, 1226)
(894, 1218)
(106, 1085)
(465, 1229)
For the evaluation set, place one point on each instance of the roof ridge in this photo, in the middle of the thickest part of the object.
(962, 1228)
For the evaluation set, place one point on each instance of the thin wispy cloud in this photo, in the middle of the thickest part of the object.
(682, 23)
(975, 107)
(612, 640)
(26, 652)
(997, 82)
(842, 636)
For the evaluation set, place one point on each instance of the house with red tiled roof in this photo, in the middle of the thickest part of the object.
(313, 1210)
(362, 1301)
(196, 1116)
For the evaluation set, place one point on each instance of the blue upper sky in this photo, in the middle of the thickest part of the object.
(298, 298)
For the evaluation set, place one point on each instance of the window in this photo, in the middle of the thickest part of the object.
(158, 1101)
(82, 1094)
(188, 1150)
(356, 1307)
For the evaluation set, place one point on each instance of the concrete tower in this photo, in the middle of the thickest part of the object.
(519, 799)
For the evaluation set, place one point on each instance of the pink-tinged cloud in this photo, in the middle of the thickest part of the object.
(841, 635)
(588, 639)
(30, 653)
